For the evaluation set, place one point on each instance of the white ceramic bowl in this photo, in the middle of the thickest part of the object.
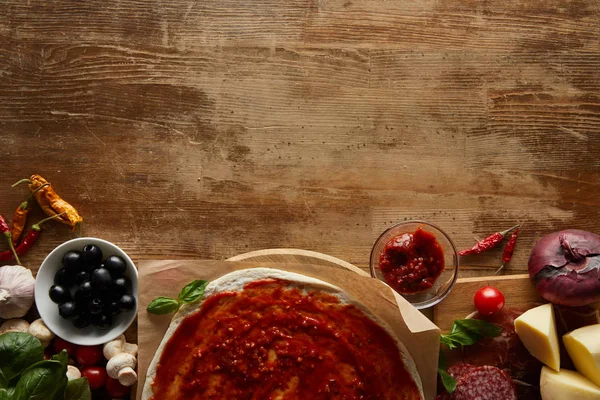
(48, 310)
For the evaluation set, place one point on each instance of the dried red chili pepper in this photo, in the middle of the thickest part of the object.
(6, 230)
(487, 243)
(20, 218)
(509, 249)
(27, 241)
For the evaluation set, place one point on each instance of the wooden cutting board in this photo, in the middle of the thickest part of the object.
(517, 289)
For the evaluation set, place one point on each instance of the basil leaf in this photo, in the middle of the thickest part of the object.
(448, 381)
(480, 326)
(192, 291)
(466, 332)
(162, 305)
(18, 351)
(6, 394)
(445, 339)
(78, 389)
(61, 357)
(42, 381)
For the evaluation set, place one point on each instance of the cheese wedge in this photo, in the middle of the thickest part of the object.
(583, 346)
(537, 330)
(566, 385)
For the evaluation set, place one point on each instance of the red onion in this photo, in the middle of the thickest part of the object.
(565, 267)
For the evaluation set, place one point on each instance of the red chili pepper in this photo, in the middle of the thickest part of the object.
(509, 249)
(20, 218)
(487, 243)
(4, 228)
(27, 241)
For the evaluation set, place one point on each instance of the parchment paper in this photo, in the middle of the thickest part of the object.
(166, 278)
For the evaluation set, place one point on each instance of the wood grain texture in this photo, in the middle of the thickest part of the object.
(188, 129)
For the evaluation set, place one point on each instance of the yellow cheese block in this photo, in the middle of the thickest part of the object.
(583, 346)
(567, 385)
(537, 330)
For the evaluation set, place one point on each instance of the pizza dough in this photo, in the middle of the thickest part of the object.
(303, 288)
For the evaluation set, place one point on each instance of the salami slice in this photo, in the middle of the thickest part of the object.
(457, 371)
(485, 383)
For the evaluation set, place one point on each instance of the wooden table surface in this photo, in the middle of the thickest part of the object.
(204, 129)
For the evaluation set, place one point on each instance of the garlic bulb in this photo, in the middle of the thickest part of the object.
(16, 291)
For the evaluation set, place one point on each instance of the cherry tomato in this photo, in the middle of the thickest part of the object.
(48, 353)
(488, 300)
(88, 355)
(60, 344)
(96, 376)
(115, 389)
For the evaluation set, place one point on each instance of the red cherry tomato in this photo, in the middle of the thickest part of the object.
(48, 353)
(60, 344)
(488, 300)
(96, 376)
(88, 355)
(115, 389)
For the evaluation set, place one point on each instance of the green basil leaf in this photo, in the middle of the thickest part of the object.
(466, 332)
(448, 381)
(78, 389)
(18, 351)
(7, 393)
(62, 357)
(42, 381)
(479, 326)
(445, 339)
(162, 305)
(192, 291)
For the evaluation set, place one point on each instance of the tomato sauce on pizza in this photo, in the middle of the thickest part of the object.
(274, 341)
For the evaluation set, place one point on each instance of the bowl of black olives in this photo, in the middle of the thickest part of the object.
(86, 291)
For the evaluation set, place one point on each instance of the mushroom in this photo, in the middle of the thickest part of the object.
(73, 373)
(119, 345)
(39, 330)
(121, 367)
(14, 325)
(127, 376)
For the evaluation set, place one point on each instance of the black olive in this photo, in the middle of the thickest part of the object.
(81, 321)
(59, 294)
(102, 321)
(127, 302)
(64, 278)
(95, 306)
(72, 261)
(101, 279)
(91, 255)
(82, 276)
(68, 310)
(84, 291)
(114, 308)
(121, 285)
(115, 265)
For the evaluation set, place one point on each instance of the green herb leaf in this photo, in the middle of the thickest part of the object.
(466, 332)
(41, 381)
(192, 291)
(6, 394)
(78, 389)
(162, 306)
(448, 381)
(18, 351)
(61, 357)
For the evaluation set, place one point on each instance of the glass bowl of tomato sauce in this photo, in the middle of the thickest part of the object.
(418, 260)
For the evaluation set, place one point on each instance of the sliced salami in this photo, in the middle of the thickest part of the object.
(485, 383)
(457, 371)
